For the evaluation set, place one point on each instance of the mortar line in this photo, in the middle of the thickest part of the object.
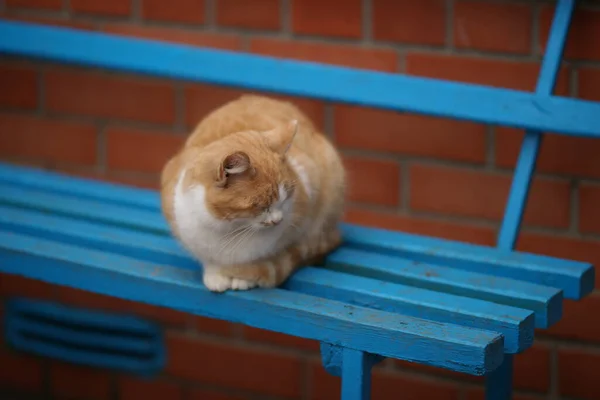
(449, 43)
(286, 19)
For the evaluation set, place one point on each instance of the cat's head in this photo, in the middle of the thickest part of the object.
(246, 177)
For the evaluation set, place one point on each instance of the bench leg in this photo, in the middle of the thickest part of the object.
(498, 384)
(356, 375)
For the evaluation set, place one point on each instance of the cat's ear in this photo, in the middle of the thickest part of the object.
(234, 165)
(280, 139)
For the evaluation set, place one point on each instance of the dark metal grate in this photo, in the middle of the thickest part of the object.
(82, 336)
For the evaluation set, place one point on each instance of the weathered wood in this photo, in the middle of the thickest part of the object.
(354, 86)
(356, 375)
(545, 301)
(515, 324)
(468, 350)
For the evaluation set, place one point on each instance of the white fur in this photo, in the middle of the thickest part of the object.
(217, 242)
(302, 174)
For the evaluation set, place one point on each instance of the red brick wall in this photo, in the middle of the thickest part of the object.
(92, 122)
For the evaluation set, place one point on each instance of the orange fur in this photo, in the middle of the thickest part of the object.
(256, 162)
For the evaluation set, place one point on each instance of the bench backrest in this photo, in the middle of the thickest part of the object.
(536, 112)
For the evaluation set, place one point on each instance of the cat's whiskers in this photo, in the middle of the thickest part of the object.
(248, 233)
(230, 237)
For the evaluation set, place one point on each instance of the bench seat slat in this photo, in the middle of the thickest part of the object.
(132, 243)
(575, 278)
(545, 301)
(93, 210)
(516, 324)
(469, 350)
(392, 91)
(33, 178)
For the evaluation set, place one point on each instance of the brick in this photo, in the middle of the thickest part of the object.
(55, 20)
(39, 4)
(584, 25)
(76, 381)
(206, 394)
(532, 369)
(214, 326)
(421, 226)
(346, 55)
(479, 394)
(19, 87)
(85, 299)
(165, 316)
(373, 181)
(151, 181)
(147, 181)
(589, 83)
(336, 18)
(22, 372)
(372, 129)
(579, 320)
(499, 73)
(47, 140)
(586, 250)
(411, 367)
(504, 27)
(384, 386)
(81, 298)
(18, 286)
(275, 338)
(202, 99)
(404, 21)
(181, 11)
(258, 14)
(221, 366)
(483, 195)
(131, 388)
(117, 8)
(173, 35)
(578, 374)
(158, 147)
(103, 95)
(559, 154)
(589, 213)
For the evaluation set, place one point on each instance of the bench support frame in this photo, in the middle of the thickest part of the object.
(536, 112)
(498, 384)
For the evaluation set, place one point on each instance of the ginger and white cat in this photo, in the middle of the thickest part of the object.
(255, 192)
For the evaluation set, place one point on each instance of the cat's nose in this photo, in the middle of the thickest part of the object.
(274, 218)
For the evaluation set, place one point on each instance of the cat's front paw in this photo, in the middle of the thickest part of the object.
(242, 284)
(217, 282)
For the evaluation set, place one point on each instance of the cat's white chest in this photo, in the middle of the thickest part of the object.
(214, 241)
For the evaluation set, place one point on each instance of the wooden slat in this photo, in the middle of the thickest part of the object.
(575, 278)
(112, 193)
(353, 86)
(467, 350)
(514, 323)
(545, 301)
(85, 209)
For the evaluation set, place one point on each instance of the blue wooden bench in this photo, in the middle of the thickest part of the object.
(383, 294)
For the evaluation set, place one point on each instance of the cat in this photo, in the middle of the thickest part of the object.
(255, 192)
